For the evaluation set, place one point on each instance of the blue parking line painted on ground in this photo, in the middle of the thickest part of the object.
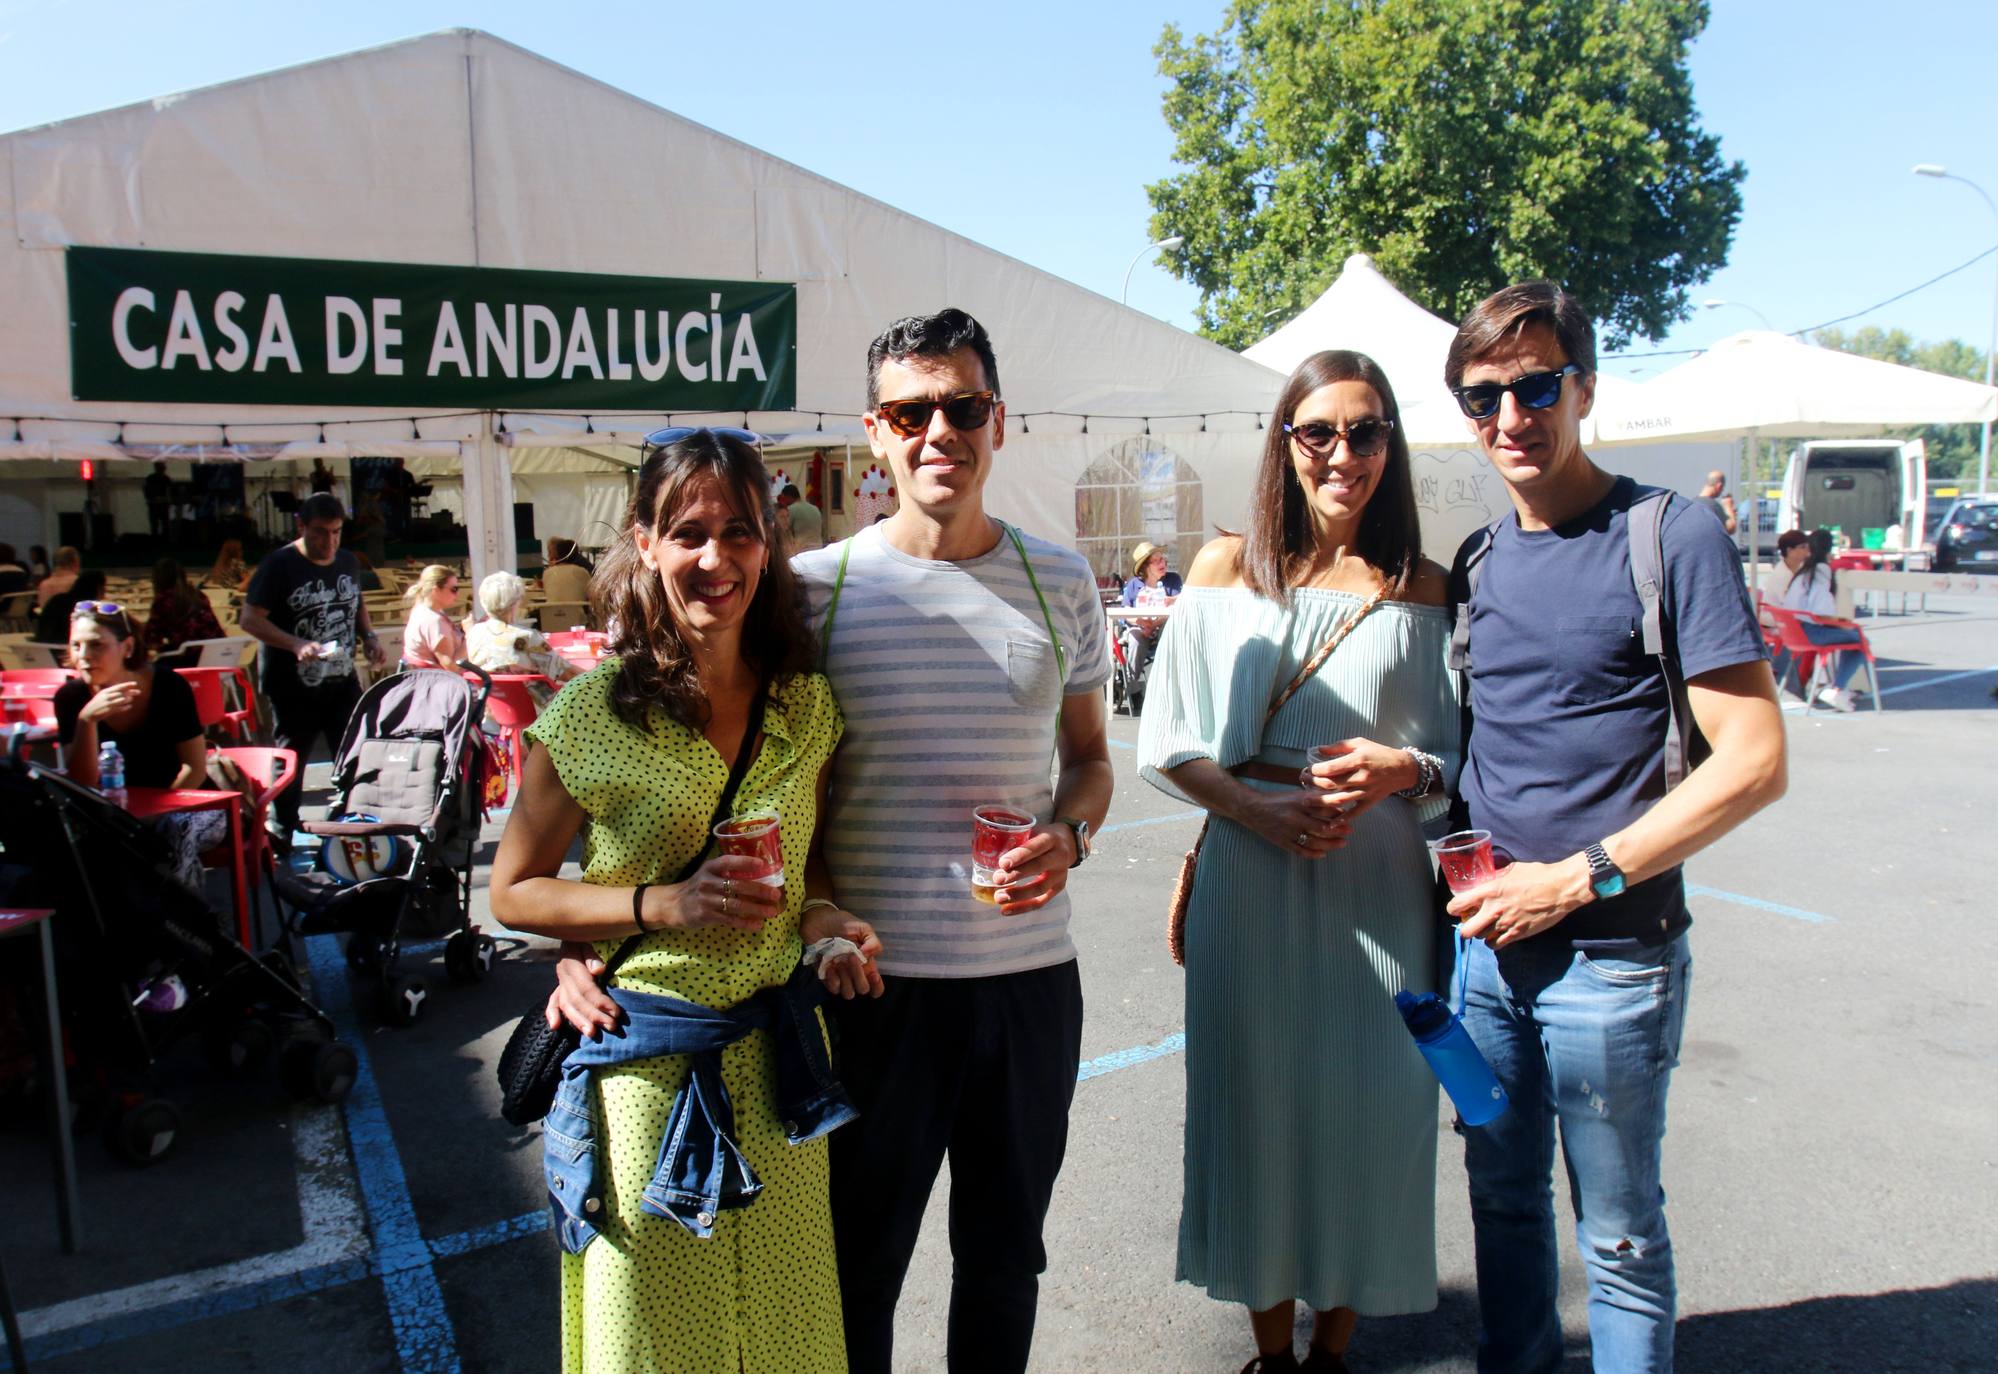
(425, 1340)
(1124, 1059)
(133, 1325)
(1120, 744)
(1937, 681)
(1115, 826)
(1796, 913)
(485, 1237)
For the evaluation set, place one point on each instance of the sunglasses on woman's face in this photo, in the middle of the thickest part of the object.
(1363, 439)
(1535, 391)
(967, 410)
(95, 608)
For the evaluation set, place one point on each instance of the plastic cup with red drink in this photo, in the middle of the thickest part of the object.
(994, 831)
(755, 835)
(1467, 859)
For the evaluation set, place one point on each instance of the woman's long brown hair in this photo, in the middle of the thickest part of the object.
(1278, 544)
(656, 668)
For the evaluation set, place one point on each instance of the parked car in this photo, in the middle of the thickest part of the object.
(1855, 485)
(1967, 539)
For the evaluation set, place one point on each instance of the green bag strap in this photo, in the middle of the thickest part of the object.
(832, 606)
(1061, 655)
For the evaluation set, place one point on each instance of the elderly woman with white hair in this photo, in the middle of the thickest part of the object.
(499, 644)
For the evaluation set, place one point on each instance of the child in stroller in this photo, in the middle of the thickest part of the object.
(405, 771)
(143, 963)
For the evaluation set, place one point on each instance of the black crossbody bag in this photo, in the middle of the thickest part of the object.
(530, 1067)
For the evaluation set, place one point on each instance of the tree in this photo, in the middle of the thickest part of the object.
(1465, 144)
(1952, 449)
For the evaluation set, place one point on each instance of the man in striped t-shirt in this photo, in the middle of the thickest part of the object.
(966, 657)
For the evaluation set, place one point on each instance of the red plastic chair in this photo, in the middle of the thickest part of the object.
(566, 639)
(211, 701)
(33, 682)
(272, 770)
(513, 708)
(1815, 659)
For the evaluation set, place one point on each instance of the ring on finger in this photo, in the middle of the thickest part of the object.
(1303, 838)
(726, 901)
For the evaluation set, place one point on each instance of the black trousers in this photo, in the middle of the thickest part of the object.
(299, 716)
(982, 1070)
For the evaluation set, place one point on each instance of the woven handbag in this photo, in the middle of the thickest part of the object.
(1182, 888)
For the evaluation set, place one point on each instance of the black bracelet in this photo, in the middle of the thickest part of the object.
(637, 898)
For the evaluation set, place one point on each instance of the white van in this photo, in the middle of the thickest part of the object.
(1856, 485)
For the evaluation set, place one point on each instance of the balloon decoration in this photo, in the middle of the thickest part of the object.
(873, 497)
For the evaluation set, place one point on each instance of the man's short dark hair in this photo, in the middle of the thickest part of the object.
(930, 336)
(1507, 313)
(321, 505)
(791, 490)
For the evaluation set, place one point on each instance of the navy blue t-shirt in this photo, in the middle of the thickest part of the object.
(1568, 713)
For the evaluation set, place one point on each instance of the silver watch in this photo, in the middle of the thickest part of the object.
(1081, 829)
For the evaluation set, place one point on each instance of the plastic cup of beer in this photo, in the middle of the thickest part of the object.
(994, 831)
(1465, 858)
(756, 835)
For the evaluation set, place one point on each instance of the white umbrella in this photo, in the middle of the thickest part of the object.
(1759, 384)
(1781, 387)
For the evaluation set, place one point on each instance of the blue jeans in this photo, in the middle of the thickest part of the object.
(1830, 637)
(1590, 1042)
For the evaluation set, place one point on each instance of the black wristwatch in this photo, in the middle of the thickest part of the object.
(1605, 878)
(1081, 829)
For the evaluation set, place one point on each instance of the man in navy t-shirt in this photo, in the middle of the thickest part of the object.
(1575, 957)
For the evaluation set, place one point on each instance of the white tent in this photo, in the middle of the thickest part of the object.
(460, 150)
(1781, 387)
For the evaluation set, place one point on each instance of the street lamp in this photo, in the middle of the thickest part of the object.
(1714, 303)
(1124, 297)
(1935, 169)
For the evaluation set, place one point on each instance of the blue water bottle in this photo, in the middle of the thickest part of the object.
(111, 776)
(1453, 1056)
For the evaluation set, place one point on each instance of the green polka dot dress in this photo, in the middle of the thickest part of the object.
(760, 1296)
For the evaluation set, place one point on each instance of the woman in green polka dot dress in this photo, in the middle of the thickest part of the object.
(635, 756)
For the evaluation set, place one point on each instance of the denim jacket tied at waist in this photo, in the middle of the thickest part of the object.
(701, 1170)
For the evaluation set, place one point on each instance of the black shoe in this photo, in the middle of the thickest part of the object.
(1283, 1362)
(1318, 1361)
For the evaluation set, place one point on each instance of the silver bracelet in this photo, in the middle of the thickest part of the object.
(1428, 775)
(811, 902)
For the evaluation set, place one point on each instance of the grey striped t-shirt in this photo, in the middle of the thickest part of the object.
(949, 688)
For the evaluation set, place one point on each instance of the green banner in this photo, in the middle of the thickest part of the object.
(206, 329)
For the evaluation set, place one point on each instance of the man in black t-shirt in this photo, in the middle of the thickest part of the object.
(304, 604)
(1575, 957)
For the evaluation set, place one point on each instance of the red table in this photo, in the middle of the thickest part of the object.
(148, 802)
(19, 922)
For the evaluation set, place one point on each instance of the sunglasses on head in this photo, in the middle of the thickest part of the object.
(95, 608)
(666, 438)
(966, 411)
(1535, 391)
(1364, 439)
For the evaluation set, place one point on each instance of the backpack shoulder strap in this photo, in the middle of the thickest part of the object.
(1465, 572)
(1645, 524)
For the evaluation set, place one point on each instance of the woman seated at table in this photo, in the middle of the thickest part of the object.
(501, 644)
(230, 570)
(713, 671)
(566, 575)
(1151, 585)
(1812, 586)
(148, 713)
(432, 639)
(180, 613)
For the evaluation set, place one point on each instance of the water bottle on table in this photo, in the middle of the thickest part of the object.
(111, 776)
(1453, 1056)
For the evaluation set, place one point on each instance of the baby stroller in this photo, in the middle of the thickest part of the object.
(403, 830)
(143, 963)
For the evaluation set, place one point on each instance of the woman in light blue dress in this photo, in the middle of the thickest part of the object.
(1311, 1119)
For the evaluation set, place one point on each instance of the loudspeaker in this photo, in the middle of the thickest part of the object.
(523, 521)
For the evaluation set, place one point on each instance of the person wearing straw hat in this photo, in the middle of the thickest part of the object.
(1150, 585)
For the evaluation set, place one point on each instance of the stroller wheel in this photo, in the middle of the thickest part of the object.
(144, 1131)
(323, 1069)
(239, 1049)
(364, 952)
(469, 955)
(402, 999)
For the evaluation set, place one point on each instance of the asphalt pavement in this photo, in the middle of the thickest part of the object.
(1830, 1167)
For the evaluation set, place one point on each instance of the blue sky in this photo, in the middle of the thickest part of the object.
(1033, 126)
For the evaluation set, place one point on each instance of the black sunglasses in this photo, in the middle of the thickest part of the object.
(1319, 439)
(967, 411)
(666, 438)
(1535, 391)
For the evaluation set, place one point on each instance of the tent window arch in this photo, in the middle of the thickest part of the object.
(1139, 490)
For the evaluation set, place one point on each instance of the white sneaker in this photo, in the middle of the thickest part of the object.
(1838, 698)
